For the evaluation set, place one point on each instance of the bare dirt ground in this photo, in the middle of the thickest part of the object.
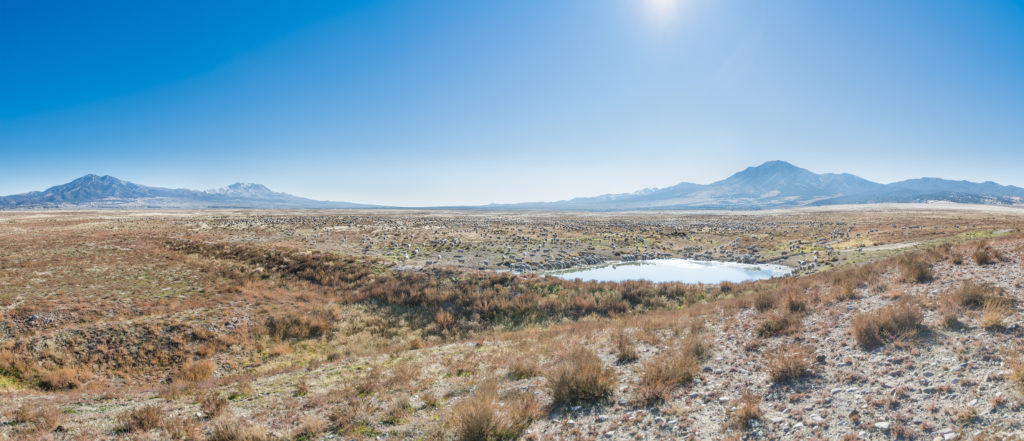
(220, 325)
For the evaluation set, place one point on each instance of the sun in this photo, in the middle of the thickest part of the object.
(662, 8)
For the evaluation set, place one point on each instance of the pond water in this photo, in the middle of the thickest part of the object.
(676, 270)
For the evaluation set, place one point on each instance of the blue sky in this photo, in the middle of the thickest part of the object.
(416, 102)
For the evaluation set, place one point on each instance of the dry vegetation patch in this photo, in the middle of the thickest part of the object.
(745, 410)
(141, 419)
(484, 417)
(875, 328)
(663, 373)
(580, 378)
(915, 268)
(790, 363)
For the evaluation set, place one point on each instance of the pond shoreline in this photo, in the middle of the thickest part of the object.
(685, 270)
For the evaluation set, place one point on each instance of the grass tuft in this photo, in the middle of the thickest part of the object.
(790, 363)
(748, 409)
(483, 417)
(663, 374)
(625, 348)
(914, 268)
(580, 379)
(140, 419)
(874, 328)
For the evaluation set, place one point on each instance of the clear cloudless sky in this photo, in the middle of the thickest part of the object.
(416, 102)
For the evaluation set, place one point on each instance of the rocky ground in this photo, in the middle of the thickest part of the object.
(942, 384)
(101, 288)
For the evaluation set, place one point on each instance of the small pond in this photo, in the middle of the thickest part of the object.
(676, 270)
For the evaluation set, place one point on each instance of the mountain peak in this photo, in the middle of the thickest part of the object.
(243, 189)
(773, 167)
(777, 164)
(97, 178)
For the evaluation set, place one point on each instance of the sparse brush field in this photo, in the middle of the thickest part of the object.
(407, 325)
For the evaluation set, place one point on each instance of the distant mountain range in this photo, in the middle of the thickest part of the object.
(106, 192)
(779, 184)
(774, 184)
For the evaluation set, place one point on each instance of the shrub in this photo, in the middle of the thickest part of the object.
(985, 255)
(182, 428)
(238, 431)
(522, 368)
(747, 410)
(663, 374)
(625, 348)
(973, 295)
(23, 414)
(950, 311)
(44, 419)
(778, 323)
(994, 312)
(795, 303)
(790, 362)
(195, 371)
(695, 346)
(874, 328)
(445, 320)
(914, 268)
(1015, 363)
(580, 378)
(140, 419)
(297, 325)
(765, 300)
(12, 365)
(63, 378)
(482, 417)
(312, 426)
(213, 405)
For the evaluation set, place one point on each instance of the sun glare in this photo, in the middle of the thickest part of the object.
(662, 11)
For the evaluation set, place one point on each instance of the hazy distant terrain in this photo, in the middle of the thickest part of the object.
(774, 184)
(106, 192)
(779, 184)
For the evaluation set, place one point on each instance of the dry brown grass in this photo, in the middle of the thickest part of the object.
(950, 310)
(42, 418)
(778, 323)
(63, 378)
(986, 255)
(972, 295)
(140, 419)
(790, 363)
(1015, 364)
(746, 410)
(483, 417)
(663, 373)
(311, 428)
(213, 405)
(195, 371)
(181, 429)
(765, 300)
(625, 347)
(445, 320)
(580, 379)
(522, 367)
(995, 311)
(914, 268)
(301, 325)
(874, 328)
(695, 346)
(238, 431)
